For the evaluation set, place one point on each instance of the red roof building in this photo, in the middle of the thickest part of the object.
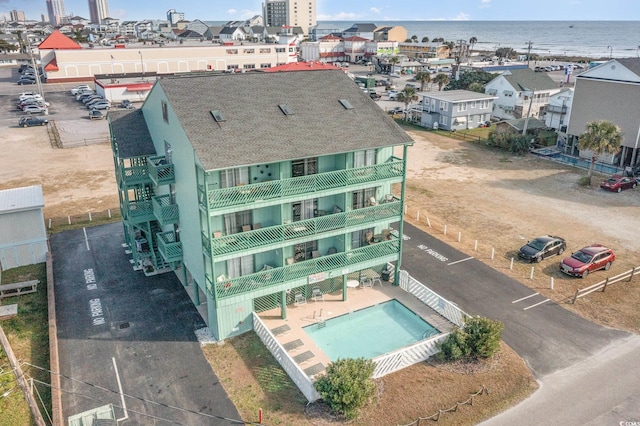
(58, 41)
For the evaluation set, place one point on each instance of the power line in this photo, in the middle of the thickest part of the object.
(213, 416)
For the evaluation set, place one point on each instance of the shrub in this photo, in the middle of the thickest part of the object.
(347, 385)
(478, 338)
(584, 181)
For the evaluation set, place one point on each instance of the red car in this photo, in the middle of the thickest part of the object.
(587, 260)
(617, 183)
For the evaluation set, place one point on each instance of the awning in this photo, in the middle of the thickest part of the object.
(140, 87)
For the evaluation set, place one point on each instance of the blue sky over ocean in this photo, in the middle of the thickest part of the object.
(357, 10)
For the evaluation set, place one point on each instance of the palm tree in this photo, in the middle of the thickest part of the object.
(472, 42)
(442, 80)
(393, 61)
(426, 40)
(406, 96)
(601, 137)
(423, 77)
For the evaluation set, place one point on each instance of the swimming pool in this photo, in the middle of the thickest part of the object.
(370, 332)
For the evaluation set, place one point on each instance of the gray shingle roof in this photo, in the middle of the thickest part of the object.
(633, 64)
(256, 131)
(528, 79)
(518, 123)
(131, 133)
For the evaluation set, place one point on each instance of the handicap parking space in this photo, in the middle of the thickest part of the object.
(129, 340)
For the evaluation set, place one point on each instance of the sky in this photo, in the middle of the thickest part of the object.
(355, 10)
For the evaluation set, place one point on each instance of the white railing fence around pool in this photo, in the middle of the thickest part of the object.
(407, 356)
(299, 377)
(433, 300)
(384, 364)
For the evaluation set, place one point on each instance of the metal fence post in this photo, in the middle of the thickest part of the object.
(606, 282)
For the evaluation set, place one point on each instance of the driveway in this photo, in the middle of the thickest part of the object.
(548, 337)
(128, 340)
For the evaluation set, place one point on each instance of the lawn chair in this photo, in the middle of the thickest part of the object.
(299, 299)
(316, 294)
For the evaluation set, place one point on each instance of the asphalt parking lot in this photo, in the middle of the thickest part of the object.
(547, 336)
(128, 340)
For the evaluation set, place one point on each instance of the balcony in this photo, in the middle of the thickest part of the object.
(351, 260)
(164, 210)
(131, 176)
(557, 109)
(170, 249)
(139, 211)
(318, 227)
(343, 179)
(160, 172)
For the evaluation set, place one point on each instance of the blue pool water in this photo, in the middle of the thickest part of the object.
(370, 332)
(584, 164)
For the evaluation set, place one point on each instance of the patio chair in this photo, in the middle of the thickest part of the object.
(316, 294)
(366, 282)
(299, 299)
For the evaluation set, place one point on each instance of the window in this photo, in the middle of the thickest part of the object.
(484, 104)
(265, 50)
(265, 65)
(232, 51)
(249, 51)
(444, 106)
(462, 106)
(249, 66)
(364, 158)
(473, 104)
(165, 112)
(304, 167)
(444, 120)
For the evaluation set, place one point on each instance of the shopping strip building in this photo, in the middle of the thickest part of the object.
(251, 187)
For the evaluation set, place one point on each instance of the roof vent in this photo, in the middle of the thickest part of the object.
(217, 116)
(285, 109)
(346, 104)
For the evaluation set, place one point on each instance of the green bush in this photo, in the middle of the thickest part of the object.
(478, 338)
(512, 142)
(347, 385)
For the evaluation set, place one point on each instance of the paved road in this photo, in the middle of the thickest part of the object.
(117, 327)
(547, 336)
(602, 390)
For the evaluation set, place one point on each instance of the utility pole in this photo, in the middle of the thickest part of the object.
(526, 120)
(529, 44)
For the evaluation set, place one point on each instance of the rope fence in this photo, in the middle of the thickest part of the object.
(507, 262)
(453, 409)
(60, 223)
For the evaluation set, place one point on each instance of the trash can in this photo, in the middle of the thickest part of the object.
(385, 275)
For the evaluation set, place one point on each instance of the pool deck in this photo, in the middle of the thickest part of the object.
(299, 316)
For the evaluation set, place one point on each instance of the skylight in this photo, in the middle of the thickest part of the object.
(346, 104)
(217, 116)
(285, 109)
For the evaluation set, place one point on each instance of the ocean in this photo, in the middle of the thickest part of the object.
(592, 39)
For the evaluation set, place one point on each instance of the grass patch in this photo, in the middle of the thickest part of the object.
(61, 224)
(28, 335)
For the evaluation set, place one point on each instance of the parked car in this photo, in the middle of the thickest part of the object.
(588, 259)
(375, 96)
(24, 81)
(90, 98)
(393, 95)
(396, 110)
(394, 75)
(81, 94)
(99, 105)
(95, 114)
(126, 104)
(35, 109)
(542, 247)
(27, 121)
(617, 183)
(80, 88)
(36, 102)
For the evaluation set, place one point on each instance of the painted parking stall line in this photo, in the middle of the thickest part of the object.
(526, 297)
(460, 261)
(533, 306)
(529, 297)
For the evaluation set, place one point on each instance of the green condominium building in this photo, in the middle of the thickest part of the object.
(252, 186)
